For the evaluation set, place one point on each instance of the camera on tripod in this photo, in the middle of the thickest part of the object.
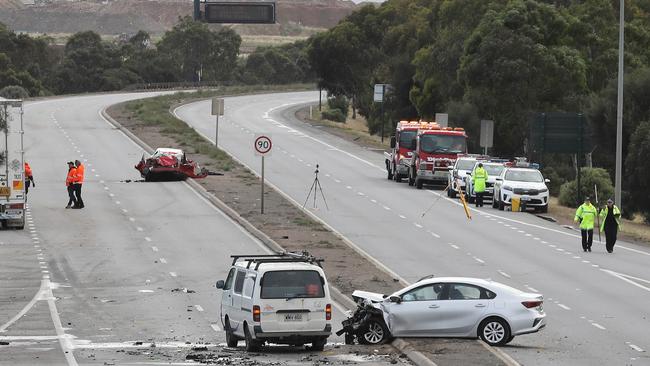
(316, 185)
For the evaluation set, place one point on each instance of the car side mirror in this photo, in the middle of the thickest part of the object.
(395, 299)
(547, 180)
(220, 284)
(393, 142)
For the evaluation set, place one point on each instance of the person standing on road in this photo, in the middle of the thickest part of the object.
(77, 184)
(29, 178)
(69, 182)
(610, 222)
(479, 179)
(586, 215)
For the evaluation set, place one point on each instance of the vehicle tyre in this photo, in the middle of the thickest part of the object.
(411, 178)
(502, 205)
(494, 331)
(452, 193)
(252, 345)
(510, 339)
(419, 184)
(495, 203)
(398, 178)
(544, 209)
(319, 345)
(375, 332)
(231, 339)
(390, 173)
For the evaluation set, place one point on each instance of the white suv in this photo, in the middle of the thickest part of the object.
(280, 298)
(528, 184)
(458, 175)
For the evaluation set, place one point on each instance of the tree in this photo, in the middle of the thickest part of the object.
(637, 172)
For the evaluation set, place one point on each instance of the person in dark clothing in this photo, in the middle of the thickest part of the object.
(78, 183)
(69, 182)
(610, 222)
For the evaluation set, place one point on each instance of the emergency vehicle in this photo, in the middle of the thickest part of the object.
(402, 146)
(436, 150)
(12, 164)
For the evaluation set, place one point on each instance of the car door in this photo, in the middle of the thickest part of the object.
(226, 296)
(463, 309)
(239, 314)
(416, 313)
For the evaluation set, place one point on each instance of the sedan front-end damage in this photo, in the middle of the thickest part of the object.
(366, 325)
(169, 164)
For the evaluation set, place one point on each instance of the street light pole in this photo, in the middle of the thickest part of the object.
(619, 108)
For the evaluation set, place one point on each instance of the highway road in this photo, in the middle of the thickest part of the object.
(138, 264)
(597, 303)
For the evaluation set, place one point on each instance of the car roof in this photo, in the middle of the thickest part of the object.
(279, 266)
(489, 284)
(520, 168)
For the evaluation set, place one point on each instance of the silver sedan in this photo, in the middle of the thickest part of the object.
(454, 307)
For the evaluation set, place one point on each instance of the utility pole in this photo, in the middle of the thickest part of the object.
(619, 108)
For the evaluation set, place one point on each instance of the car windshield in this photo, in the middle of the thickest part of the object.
(465, 164)
(493, 170)
(406, 138)
(524, 176)
(442, 144)
(291, 284)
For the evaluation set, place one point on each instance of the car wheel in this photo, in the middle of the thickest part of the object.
(494, 331)
(502, 206)
(452, 193)
(398, 178)
(390, 173)
(544, 209)
(231, 339)
(419, 184)
(375, 332)
(495, 203)
(319, 345)
(252, 345)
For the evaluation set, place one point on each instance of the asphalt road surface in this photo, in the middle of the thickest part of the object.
(138, 264)
(597, 303)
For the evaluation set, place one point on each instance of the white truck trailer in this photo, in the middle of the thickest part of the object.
(12, 165)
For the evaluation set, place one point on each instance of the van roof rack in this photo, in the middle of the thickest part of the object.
(284, 257)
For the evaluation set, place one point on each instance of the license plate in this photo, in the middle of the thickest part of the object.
(293, 317)
(5, 191)
(525, 198)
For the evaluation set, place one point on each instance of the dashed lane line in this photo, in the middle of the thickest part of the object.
(198, 307)
(598, 326)
(502, 273)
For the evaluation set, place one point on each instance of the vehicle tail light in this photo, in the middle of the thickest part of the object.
(17, 206)
(328, 312)
(256, 313)
(532, 303)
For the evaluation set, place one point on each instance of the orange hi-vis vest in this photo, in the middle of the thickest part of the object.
(72, 176)
(28, 170)
(80, 174)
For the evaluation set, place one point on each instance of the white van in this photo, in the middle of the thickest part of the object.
(281, 298)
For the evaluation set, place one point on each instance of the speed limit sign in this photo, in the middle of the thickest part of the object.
(262, 145)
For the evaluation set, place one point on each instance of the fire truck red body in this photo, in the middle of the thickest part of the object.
(436, 150)
(402, 146)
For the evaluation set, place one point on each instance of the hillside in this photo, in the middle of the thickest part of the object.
(156, 16)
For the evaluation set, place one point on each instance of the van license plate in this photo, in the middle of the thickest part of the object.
(5, 191)
(293, 317)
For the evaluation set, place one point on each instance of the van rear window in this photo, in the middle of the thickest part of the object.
(291, 284)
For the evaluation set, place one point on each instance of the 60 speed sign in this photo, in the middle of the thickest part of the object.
(262, 145)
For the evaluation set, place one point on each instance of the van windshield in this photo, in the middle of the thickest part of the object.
(291, 284)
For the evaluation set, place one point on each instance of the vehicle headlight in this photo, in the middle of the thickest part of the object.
(507, 188)
(543, 190)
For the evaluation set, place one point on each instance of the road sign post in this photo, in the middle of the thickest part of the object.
(262, 146)
(378, 97)
(217, 110)
(487, 134)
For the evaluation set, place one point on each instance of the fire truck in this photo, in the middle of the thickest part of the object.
(434, 154)
(12, 164)
(402, 146)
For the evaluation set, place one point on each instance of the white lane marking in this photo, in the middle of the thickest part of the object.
(520, 231)
(348, 187)
(402, 217)
(361, 193)
(629, 279)
(145, 291)
(635, 347)
(147, 238)
(598, 326)
(337, 181)
(64, 339)
(559, 249)
(586, 262)
(434, 234)
(564, 306)
(139, 228)
(131, 219)
(417, 225)
(531, 288)
(155, 249)
(125, 210)
(215, 327)
(536, 238)
(173, 274)
(576, 257)
(117, 202)
(198, 307)
(163, 260)
(373, 200)
(27, 307)
(386, 208)
(503, 274)
(528, 235)
(479, 260)
(454, 246)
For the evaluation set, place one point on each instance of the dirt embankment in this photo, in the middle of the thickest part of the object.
(129, 16)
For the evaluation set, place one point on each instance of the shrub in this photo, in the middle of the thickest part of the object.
(340, 102)
(590, 177)
(556, 180)
(334, 115)
(14, 92)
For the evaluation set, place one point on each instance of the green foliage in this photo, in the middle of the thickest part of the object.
(14, 92)
(339, 102)
(278, 65)
(637, 167)
(335, 115)
(589, 177)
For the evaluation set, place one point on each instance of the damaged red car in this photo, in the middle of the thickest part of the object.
(169, 164)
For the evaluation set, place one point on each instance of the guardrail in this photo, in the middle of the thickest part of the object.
(178, 85)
